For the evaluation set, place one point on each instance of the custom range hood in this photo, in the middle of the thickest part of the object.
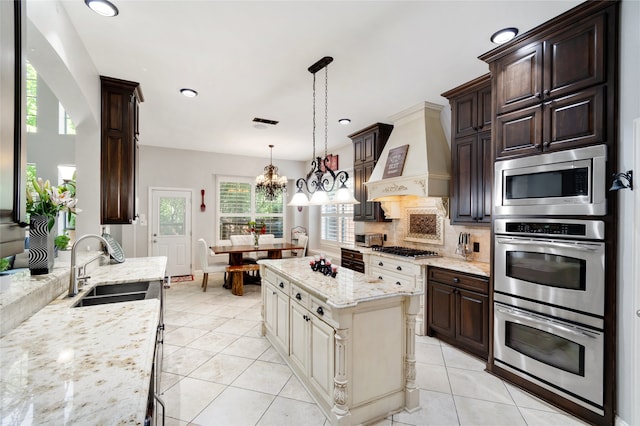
(426, 171)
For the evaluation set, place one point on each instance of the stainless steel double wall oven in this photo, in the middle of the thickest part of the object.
(549, 272)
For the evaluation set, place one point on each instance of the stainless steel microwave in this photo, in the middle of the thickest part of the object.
(571, 182)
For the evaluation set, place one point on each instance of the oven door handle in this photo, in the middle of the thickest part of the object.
(542, 243)
(535, 318)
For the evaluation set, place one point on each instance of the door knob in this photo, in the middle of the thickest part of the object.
(638, 312)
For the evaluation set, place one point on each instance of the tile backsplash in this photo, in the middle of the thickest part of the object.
(397, 232)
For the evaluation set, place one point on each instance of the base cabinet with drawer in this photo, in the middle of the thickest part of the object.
(336, 343)
(458, 309)
(401, 272)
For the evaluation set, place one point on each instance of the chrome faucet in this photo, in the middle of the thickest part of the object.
(75, 276)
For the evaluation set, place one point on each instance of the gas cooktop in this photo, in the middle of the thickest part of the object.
(407, 252)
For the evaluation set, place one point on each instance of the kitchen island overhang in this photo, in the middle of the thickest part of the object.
(349, 339)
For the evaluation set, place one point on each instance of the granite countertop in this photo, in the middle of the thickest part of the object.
(348, 288)
(92, 364)
(457, 264)
(23, 294)
(460, 265)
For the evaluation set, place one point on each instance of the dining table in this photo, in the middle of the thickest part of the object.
(236, 254)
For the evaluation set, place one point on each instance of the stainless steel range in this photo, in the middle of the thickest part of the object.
(407, 252)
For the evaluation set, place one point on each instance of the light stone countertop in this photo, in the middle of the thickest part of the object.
(478, 268)
(87, 365)
(348, 288)
(457, 264)
(23, 294)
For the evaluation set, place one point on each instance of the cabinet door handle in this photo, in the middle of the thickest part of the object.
(456, 280)
(307, 317)
(475, 128)
(281, 285)
(298, 296)
(546, 144)
(399, 268)
(380, 264)
(481, 126)
(537, 146)
(537, 95)
(274, 292)
(320, 311)
(398, 283)
(379, 277)
(546, 92)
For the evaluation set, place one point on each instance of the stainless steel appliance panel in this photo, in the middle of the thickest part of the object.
(571, 182)
(566, 356)
(569, 274)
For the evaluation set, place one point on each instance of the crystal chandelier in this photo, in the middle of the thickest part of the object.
(270, 183)
(321, 179)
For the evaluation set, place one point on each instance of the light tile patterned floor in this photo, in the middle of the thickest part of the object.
(218, 370)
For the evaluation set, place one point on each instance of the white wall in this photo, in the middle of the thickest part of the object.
(629, 110)
(58, 54)
(195, 170)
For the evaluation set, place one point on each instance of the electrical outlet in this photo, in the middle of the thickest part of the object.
(476, 247)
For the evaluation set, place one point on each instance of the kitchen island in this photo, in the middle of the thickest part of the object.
(349, 339)
(86, 365)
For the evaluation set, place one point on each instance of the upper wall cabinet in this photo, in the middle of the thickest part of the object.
(554, 89)
(564, 63)
(119, 150)
(367, 147)
(471, 155)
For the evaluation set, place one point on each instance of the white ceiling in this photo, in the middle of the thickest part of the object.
(249, 59)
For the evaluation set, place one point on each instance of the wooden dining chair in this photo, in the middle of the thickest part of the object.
(209, 267)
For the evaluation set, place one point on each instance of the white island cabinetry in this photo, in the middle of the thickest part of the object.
(350, 339)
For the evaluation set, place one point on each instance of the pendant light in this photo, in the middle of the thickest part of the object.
(270, 183)
(321, 179)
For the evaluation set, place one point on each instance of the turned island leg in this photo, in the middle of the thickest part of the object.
(412, 393)
(340, 382)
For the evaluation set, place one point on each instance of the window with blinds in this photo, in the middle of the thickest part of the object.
(239, 203)
(337, 226)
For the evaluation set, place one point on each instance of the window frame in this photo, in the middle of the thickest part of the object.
(219, 179)
(348, 215)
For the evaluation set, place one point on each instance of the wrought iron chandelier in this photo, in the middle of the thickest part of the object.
(321, 179)
(270, 183)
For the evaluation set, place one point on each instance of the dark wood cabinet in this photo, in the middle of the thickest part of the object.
(551, 94)
(367, 146)
(352, 259)
(471, 152)
(119, 150)
(458, 309)
(471, 111)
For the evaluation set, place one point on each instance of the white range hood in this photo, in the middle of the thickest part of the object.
(427, 164)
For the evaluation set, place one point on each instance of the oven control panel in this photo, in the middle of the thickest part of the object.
(546, 228)
(580, 229)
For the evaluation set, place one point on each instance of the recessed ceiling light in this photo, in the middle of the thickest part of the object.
(344, 121)
(189, 93)
(102, 7)
(504, 35)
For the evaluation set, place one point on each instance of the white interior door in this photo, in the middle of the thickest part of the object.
(171, 229)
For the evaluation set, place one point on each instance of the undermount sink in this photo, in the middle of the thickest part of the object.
(123, 292)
